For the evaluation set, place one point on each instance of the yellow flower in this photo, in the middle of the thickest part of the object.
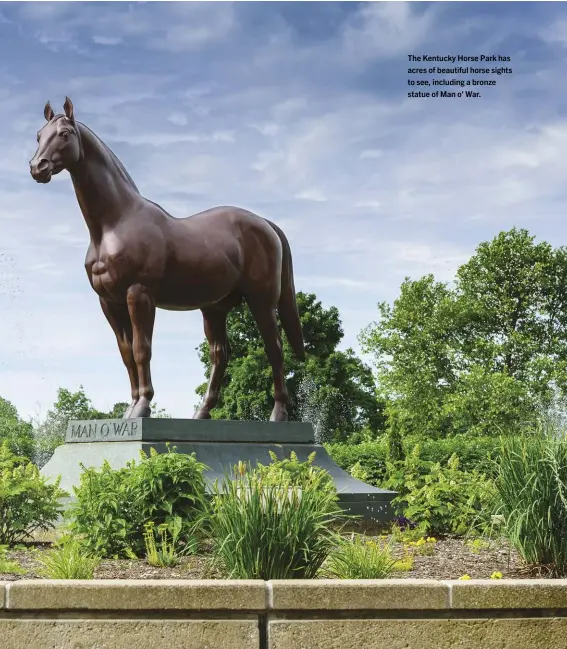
(464, 577)
(496, 575)
(431, 539)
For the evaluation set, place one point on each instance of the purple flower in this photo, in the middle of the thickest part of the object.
(402, 522)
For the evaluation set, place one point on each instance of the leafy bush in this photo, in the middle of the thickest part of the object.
(266, 530)
(14, 430)
(67, 560)
(474, 453)
(291, 470)
(164, 550)
(27, 501)
(113, 506)
(359, 558)
(441, 497)
(370, 459)
(532, 485)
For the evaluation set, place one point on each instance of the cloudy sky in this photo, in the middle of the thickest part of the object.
(297, 111)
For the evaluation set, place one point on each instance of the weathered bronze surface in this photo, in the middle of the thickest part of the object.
(140, 257)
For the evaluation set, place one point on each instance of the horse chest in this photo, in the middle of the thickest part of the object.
(109, 274)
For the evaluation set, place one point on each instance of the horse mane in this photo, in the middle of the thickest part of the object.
(110, 153)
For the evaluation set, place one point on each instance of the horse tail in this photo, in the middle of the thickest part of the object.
(287, 305)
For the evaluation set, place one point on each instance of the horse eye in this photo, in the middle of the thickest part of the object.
(64, 134)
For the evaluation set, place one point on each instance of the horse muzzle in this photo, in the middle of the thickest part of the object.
(41, 171)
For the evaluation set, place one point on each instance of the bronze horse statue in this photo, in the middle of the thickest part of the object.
(140, 257)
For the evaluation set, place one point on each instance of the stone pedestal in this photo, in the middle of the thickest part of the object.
(219, 444)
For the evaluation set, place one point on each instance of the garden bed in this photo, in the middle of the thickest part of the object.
(450, 558)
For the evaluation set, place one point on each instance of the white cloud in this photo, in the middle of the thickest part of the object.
(386, 29)
(178, 118)
(106, 40)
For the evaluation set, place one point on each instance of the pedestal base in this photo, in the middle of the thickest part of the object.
(219, 444)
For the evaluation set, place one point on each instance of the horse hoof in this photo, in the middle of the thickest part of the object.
(279, 414)
(140, 410)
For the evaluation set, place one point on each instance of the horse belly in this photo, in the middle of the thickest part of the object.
(190, 300)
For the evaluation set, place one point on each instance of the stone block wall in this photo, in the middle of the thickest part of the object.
(317, 614)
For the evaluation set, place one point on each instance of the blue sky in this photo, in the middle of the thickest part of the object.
(297, 111)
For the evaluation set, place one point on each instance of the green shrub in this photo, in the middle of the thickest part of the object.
(532, 485)
(67, 560)
(291, 470)
(371, 459)
(27, 501)
(113, 506)
(264, 530)
(441, 497)
(360, 558)
(474, 453)
(14, 430)
(162, 545)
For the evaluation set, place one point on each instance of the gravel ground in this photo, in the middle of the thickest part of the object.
(450, 559)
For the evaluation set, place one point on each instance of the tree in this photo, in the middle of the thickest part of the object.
(332, 388)
(480, 356)
(50, 433)
(15, 431)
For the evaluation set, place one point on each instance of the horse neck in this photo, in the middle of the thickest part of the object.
(102, 185)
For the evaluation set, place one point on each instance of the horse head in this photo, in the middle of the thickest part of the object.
(59, 144)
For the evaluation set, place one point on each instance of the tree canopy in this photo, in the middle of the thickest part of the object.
(480, 356)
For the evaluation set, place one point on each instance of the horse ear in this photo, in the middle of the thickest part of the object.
(68, 108)
(48, 112)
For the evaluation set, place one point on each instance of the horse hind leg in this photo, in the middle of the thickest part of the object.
(214, 320)
(119, 319)
(265, 315)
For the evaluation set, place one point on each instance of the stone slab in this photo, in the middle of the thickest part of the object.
(3, 585)
(357, 594)
(509, 594)
(533, 633)
(356, 497)
(128, 634)
(136, 594)
(147, 429)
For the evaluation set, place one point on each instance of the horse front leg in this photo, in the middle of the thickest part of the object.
(142, 310)
(119, 319)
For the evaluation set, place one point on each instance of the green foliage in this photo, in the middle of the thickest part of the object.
(532, 485)
(163, 551)
(371, 458)
(361, 558)
(112, 506)
(50, 433)
(27, 501)
(291, 470)
(16, 432)
(67, 560)
(269, 531)
(480, 357)
(332, 387)
(7, 566)
(442, 497)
